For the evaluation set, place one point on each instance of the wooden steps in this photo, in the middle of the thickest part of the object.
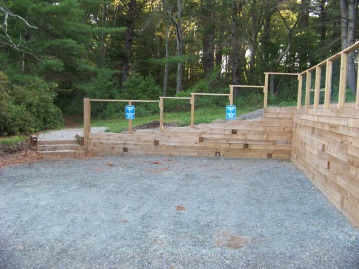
(58, 147)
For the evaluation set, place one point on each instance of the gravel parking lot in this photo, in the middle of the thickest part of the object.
(161, 212)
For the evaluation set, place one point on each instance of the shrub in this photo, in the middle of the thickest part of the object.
(27, 109)
(141, 88)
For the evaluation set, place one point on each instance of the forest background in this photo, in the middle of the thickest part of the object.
(55, 53)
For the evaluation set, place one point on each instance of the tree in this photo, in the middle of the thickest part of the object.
(133, 9)
(179, 38)
(168, 10)
(16, 43)
(208, 19)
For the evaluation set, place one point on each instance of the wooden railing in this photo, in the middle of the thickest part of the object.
(328, 64)
(87, 114)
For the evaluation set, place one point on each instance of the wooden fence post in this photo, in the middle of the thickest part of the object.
(265, 90)
(307, 89)
(300, 91)
(129, 121)
(343, 79)
(192, 109)
(318, 73)
(87, 122)
(231, 95)
(328, 83)
(161, 113)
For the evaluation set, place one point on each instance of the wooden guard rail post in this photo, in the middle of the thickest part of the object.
(130, 121)
(87, 122)
(328, 83)
(343, 79)
(300, 90)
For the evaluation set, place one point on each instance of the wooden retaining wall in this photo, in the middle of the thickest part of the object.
(325, 146)
(269, 137)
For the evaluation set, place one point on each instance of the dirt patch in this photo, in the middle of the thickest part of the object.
(228, 240)
(30, 156)
(6, 149)
(73, 121)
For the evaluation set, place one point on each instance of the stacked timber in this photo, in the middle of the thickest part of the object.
(270, 137)
(326, 149)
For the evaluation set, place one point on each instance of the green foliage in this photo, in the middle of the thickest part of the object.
(52, 64)
(350, 97)
(136, 88)
(141, 88)
(173, 60)
(184, 94)
(12, 140)
(27, 109)
(100, 86)
(81, 47)
(250, 99)
(208, 84)
(285, 104)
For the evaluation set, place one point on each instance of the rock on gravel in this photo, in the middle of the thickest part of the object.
(153, 212)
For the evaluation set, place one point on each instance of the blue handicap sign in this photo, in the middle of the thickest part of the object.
(130, 112)
(231, 112)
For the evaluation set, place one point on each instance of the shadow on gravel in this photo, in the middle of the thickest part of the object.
(152, 212)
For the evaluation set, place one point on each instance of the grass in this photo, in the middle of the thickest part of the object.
(204, 115)
(12, 139)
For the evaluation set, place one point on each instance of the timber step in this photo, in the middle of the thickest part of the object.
(60, 152)
(70, 146)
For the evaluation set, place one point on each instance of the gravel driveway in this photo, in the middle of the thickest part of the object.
(152, 212)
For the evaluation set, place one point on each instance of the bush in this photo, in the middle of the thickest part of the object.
(141, 88)
(27, 109)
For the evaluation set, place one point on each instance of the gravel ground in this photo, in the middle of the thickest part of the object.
(67, 134)
(152, 212)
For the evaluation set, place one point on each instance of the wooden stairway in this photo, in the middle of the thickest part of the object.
(72, 146)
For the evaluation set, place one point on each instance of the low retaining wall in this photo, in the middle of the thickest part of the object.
(325, 146)
(269, 137)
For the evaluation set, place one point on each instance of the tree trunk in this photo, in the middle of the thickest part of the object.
(103, 36)
(323, 21)
(348, 12)
(219, 48)
(255, 17)
(234, 58)
(266, 40)
(304, 14)
(131, 15)
(208, 37)
(179, 46)
(165, 78)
